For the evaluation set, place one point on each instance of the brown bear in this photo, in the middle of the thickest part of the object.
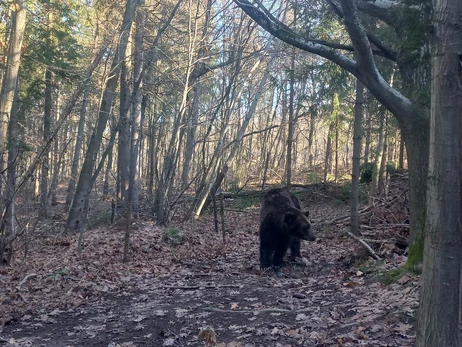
(282, 225)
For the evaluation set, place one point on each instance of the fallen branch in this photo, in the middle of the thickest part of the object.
(365, 245)
(256, 312)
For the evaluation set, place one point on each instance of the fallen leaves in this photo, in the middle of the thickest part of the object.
(204, 283)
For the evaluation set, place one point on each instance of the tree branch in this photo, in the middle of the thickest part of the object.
(385, 51)
(284, 33)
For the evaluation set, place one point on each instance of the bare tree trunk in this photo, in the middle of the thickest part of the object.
(265, 171)
(383, 161)
(8, 232)
(311, 136)
(123, 149)
(138, 112)
(401, 154)
(191, 134)
(10, 78)
(9, 125)
(290, 133)
(152, 155)
(57, 156)
(440, 310)
(85, 183)
(357, 133)
(107, 173)
(378, 156)
(194, 107)
(328, 157)
(77, 148)
(336, 148)
(368, 138)
(44, 206)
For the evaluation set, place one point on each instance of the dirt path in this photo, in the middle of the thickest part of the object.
(201, 284)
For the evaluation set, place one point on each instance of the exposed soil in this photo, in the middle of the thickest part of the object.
(169, 295)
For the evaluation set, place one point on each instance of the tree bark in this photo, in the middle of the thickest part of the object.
(9, 125)
(291, 127)
(311, 136)
(44, 206)
(77, 148)
(440, 310)
(328, 156)
(378, 157)
(9, 232)
(401, 154)
(383, 162)
(10, 79)
(367, 145)
(357, 134)
(123, 149)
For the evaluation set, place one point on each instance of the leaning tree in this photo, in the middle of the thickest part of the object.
(361, 57)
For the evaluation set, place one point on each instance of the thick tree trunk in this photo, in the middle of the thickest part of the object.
(10, 79)
(9, 125)
(440, 311)
(357, 133)
(417, 146)
(8, 235)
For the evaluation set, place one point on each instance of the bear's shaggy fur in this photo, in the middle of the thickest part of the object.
(282, 225)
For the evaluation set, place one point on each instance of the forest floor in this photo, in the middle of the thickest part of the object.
(203, 291)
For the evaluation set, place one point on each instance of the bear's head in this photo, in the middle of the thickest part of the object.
(297, 224)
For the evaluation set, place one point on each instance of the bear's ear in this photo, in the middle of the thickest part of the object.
(306, 213)
(289, 218)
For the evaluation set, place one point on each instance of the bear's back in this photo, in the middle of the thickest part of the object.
(276, 200)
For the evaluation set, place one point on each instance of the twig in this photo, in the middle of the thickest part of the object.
(203, 287)
(241, 211)
(379, 241)
(366, 246)
(25, 279)
(341, 218)
(213, 309)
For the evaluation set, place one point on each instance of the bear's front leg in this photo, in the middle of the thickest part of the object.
(280, 252)
(266, 253)
(295, 249)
